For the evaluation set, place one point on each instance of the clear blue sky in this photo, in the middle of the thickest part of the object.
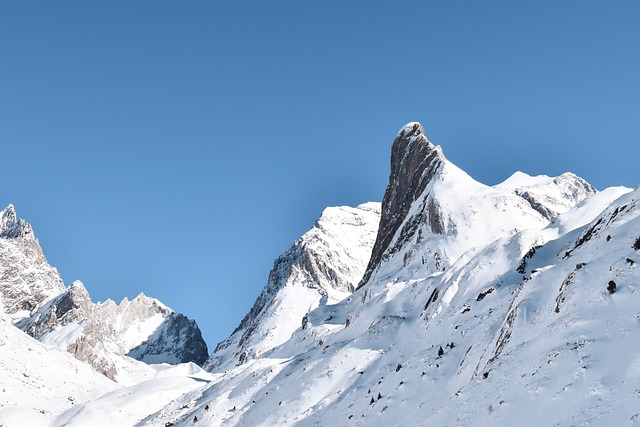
(177, 148)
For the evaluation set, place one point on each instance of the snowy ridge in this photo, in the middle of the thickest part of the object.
(44, 386)
(453, 213)
(322, 267)
(35, 298)
(26, 278)
(549, 196)
(515, 322)
(39, 382)
(101, 334)
(516, 304)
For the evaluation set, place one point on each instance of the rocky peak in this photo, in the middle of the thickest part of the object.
(414, 163)
(71, 305)
(11, 227)
(549, 196)
(26, 278)
(322, 267)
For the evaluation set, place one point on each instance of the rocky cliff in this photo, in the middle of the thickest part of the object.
(34, 296)
(26, 278)
(322, 267)
(515, 304)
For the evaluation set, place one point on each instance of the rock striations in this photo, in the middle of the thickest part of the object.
(35, 297)
(414, 164)
(26, 278)
(433, 212)
(322, 267)
(478, 303)
(513, 304)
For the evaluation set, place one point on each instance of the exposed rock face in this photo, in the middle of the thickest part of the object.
(142, 328)
(322, 267)
(176, 340)
(67, 321)
(71, 305)
(35, 297)
(433, 212)
(550, 196)
(26, 278)
(11, 227)
(414, 163)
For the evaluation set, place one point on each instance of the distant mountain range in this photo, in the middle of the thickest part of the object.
(36, 300)
(450, 303)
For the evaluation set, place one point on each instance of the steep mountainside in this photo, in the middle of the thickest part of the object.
(427, 224)
(35, 297)
(517, 304)
(322, 267)
(143, 328)
(44, 386)
(26, 278)
(480, 306)
(38, 382)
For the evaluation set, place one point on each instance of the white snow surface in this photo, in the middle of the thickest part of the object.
(548, 346)
(322, 267)
(37, 382)
(44, 386)
(496, 316)
(502, 309)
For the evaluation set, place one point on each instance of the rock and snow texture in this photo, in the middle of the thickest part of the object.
(26, 278)
(549, 196)
(528, 315)
(34, 296)
(322, 267)
(517, 304)
(38, 382)
(143, 328)
(44, 386)
(433, 212)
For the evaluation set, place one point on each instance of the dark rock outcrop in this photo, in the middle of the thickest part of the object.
(414, 163)
(34, 296)
(177, 340)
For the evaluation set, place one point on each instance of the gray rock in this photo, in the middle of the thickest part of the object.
(414, 163)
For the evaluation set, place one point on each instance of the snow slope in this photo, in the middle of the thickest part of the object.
(128, 406)
(322, 267)
(514, 326)
(37, 382)
(516, 304)
(34, 296)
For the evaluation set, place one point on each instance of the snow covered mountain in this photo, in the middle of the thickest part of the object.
(506, 305)
(322, 267)
(451, 303)
(26, 278)
(38, 382)
(35, 297)
(433, 212)
(45, 386)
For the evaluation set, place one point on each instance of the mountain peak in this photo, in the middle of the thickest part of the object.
(415, 162)
(10, 226)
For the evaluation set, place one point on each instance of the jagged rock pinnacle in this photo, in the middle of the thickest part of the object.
(414, 163)
(10, 226)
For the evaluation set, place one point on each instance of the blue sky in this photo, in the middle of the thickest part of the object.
(177, 148)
